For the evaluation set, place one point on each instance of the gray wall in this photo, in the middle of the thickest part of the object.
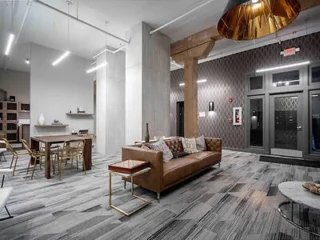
(57, 90)
(16, 84)
(110, 121)
(226, 78)
(147, 84)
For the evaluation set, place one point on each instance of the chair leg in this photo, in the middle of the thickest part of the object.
(29, 165)
(10, 216)
(40, 160)
(11, 161)
(15, 165)
(60, 168)
(2, 181)
(34, 167)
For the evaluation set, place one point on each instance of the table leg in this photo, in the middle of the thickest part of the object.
(132, 186)
(87, 155)
(291, 210)
(110, 189)
(35, 146)
(47, 161)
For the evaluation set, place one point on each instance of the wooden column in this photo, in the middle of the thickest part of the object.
(187, 52)
(191, 97)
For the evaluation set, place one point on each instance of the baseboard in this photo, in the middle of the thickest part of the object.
(290, 161)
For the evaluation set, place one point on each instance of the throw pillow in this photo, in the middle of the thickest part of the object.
(180, 154)
(162, 147)
(189, 145)
(201, 144)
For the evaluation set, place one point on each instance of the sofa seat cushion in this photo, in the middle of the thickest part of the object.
(180, 168)
(207, 158)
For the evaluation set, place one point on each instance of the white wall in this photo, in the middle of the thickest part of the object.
(16, 84)
(57, 90)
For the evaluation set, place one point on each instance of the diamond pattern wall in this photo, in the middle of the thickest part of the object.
(226, 78)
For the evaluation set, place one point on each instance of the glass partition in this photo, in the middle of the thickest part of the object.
(256, 122)
(315, 122)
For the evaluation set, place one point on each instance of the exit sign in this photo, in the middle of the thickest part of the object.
(290, 51)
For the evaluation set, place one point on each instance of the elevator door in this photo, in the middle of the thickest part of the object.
(286, 125)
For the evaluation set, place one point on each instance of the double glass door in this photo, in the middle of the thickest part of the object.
(286, 124)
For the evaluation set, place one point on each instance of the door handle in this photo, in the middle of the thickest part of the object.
(299, 128)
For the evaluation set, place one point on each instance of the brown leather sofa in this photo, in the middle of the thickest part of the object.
(164, 175)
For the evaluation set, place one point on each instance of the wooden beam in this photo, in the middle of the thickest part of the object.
(191, 98)
(197, 45)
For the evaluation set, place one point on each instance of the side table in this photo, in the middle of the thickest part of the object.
(128, 169)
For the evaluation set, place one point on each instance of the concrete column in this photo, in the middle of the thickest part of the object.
(110, 119)
(147, 84)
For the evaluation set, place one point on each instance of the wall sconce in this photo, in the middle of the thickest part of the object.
(211, 106)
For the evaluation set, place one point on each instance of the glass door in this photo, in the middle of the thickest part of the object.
(286, 125)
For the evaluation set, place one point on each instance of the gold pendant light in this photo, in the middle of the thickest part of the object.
(247, 20)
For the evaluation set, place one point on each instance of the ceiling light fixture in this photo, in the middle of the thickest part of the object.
(199, 81)
(63, 56)
(97, 67)
(9, 44)
(108, 50)
(282, 67)
(252, 19)
(27, 61)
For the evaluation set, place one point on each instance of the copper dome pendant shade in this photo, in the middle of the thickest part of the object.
(248, 20)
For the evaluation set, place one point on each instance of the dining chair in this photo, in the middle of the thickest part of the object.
(3, 149)
(72, 149)
(34, 155)
(15, 154)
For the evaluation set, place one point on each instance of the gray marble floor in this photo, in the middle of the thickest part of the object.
(237, 201)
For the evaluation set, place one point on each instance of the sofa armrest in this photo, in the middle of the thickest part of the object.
(153, 179)
(214, 144)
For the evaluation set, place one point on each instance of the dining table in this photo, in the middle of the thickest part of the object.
(49, 140)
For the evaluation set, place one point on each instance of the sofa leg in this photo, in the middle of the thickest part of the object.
(158, 196)
(125, 184)
(219, 165)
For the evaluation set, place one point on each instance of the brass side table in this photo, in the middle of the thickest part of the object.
(128, 169)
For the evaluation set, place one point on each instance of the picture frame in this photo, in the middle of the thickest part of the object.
(237, 116)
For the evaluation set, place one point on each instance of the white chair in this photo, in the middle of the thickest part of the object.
(4, 197)
(2, 150)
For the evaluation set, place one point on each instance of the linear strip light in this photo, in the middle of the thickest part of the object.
(199, 81)
(110, 51)
(97, 67)
(9, 44)
(282, 67)
(63, 56)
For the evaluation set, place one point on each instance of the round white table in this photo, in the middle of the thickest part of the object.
(296, 193)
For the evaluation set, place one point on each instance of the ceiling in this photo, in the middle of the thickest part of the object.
(46, 27)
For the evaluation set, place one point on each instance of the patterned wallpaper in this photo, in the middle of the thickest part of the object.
(226, 78)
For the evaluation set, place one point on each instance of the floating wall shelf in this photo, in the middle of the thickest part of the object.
(80, 114)
(52, 126)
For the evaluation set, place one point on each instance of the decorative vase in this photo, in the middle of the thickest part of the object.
(41, 119)
(147, 136)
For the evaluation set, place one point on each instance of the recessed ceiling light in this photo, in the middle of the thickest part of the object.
(27, 61)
